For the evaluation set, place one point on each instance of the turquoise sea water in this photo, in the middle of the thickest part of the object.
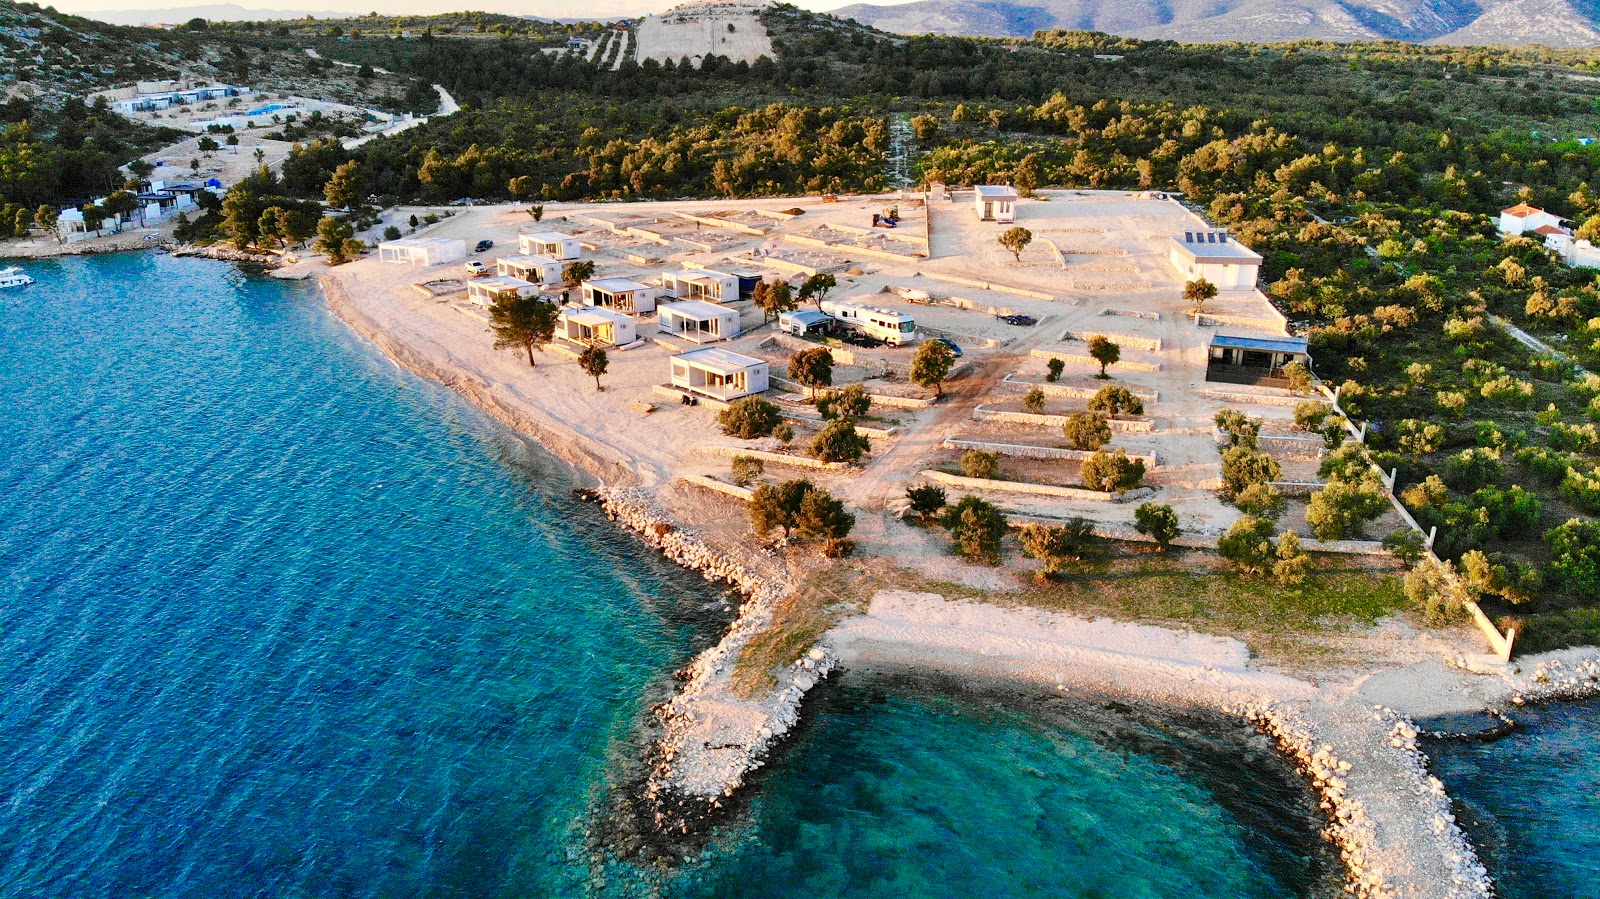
(1531, 800)
(279, 620)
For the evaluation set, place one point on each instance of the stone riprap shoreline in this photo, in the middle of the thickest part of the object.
(712, 738)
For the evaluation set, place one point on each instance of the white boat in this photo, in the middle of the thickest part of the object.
(11, 276)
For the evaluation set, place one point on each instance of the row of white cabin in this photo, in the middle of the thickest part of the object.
(145, 102)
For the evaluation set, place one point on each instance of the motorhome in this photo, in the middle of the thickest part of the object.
(891, 327)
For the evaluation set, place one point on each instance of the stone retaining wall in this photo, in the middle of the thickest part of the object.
(1076, 359)
(1015, 383)
(1149, 344)
(733, 490)
(984, 413)
(1023, 451)
(775, 458)
(1080, 493)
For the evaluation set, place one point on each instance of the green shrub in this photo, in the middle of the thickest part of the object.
(1240, 429)
(1248, 544)
(1056, 544)
(976, 463)
(1113, 472)
(749, 418)
(1033, 401)
(926, 500)
(1114, 399)
(746, 469)
(839, 442)
(1158, 522)
(1054, 368)
(850, 403)
(1087, 430)
(1244, 467)
(1341, 508)
(977, 528)
(1261, 501)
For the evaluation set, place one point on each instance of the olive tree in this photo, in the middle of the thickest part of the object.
(931, 365)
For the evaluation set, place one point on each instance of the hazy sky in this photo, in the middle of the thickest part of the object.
(565, 9)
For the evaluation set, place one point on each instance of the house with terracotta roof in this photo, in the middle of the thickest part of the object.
(1522, 218)
(1556, 239)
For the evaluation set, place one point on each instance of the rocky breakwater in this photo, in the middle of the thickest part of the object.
(1391, 819)
(230, 254)
(712, 738)
(1567, 674)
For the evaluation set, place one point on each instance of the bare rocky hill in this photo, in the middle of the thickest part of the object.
(1564, 23)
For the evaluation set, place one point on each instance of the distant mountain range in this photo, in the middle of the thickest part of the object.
(216, 12)
(1560, 23)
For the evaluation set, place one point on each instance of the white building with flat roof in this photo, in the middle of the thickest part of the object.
(538, 269)
(701, 284)
(718, 373)
(597, 326)
(550, 244)
(1522, 218)
(1213, 254)
(995, 202)
(619, 295)
(698, 321)
(487, 291)
(422, 250)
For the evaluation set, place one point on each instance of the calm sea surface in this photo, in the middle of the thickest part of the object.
(1531, 800)
(279, 620)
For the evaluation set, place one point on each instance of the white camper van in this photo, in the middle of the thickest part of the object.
(895, 328)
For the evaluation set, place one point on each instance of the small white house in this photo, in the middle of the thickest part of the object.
(718, 373)
(549, 244)
(595, 326)
(422, 250)
(486, 291)
(995, 203)
(1213, 254)
(701, 284)
(1522, 218)
(1583, 254)
(619, 295)
(698, 321)
(538, 269)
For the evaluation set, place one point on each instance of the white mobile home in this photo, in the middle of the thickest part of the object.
(698, 321)
(719, 373)
(701, 284)
(486, 291)
(538, 269)
(995, 203)
(619, 295)
(550, 244)
(896, 328)
(595, 326)
(422, 250)
(1213, 254)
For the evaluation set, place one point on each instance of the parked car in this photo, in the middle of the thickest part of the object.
(476, 268)
(856, 338)
(1019, 319)
(483, 245)
(955, 350)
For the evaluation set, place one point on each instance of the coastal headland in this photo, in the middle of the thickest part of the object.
(659, 468)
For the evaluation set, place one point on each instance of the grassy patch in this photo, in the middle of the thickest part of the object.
(1199, 591)
(798, 621)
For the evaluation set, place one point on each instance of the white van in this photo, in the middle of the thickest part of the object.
(895, 328)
